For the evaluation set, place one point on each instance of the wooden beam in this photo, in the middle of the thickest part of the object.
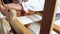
(56, 28)
(48, 14)
(17, 26)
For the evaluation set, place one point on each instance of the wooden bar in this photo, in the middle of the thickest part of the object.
(48, 17)
(56, 28)
(17, 26)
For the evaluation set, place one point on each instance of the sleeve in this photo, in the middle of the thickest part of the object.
(6, 1)
(1, 15)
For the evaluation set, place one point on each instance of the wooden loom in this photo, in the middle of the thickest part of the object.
(47, 22)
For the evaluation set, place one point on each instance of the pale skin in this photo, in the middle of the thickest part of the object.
(18, 7)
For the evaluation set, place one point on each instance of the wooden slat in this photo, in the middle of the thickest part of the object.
(48, 14)
(17, 26)
(56, 28)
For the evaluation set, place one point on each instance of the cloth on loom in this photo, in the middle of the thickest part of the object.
(57, 22)
(29, 19)
(34, 5)
(35, 28)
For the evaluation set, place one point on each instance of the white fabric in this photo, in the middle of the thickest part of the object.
(5, 29)
(57, 22)
(35, 28)
(24, 20)
(53, 32)
(34, 5)
(58, 7)
(35, 17)
(29, 19)
(1, 16)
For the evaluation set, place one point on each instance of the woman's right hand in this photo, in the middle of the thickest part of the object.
(14, 6)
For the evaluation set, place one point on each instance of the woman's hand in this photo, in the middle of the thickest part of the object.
(13, 6)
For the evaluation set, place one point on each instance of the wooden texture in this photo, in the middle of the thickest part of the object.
(56, 28)
(48, 14)
(17, 26)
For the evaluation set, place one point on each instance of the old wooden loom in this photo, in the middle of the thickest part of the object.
(47, 23)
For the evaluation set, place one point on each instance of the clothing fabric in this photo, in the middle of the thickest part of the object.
(1, 15)
(58, 7)
(34, 5)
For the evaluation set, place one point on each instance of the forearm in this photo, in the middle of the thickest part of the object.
(3, 10)
(6, 23)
